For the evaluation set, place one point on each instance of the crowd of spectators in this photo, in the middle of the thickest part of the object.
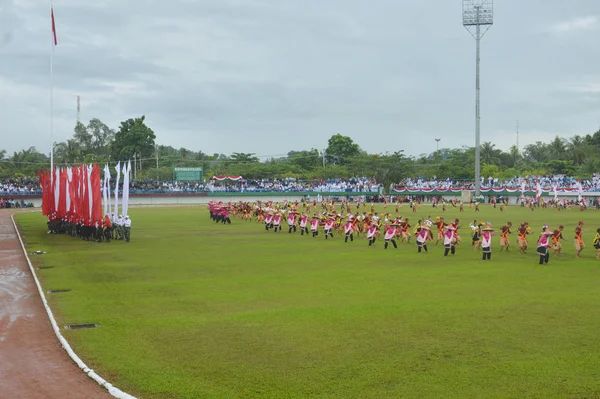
(20, 186)
(546, 182)
(257, 186)
(31, 186)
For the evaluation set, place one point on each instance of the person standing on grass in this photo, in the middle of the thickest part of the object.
(372, 233)
(107, 228)
(303, 224)
(556, 237)
(349, 229)
(127, 228)
(579, 245)
(543, 245)
(522, 238)
(314, 225)
(504, 241)
(389, 236)
(486, 243)
(291, 219)
(269, 221)
(597, 243)
(449, 241)
(329, 222)
(476, 236)
(225, 215)
(404, 226)
(277, 222)
(423, 234)
(440, 224)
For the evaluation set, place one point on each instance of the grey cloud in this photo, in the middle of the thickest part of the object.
(267, 76)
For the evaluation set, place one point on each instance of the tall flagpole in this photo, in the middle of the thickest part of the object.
(52, 44)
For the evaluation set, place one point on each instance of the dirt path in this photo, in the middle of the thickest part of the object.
(32, 362)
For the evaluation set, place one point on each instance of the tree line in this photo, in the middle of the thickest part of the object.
(343, 158)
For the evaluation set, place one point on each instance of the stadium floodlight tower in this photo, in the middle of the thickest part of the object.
(478, 18)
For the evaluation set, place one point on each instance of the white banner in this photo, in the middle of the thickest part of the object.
(105, 193)
(56, 188)
(69, 183)
(118, 169)
(89, 182)
(125, 198)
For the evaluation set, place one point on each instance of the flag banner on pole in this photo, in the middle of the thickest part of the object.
(53, 26)
(118, 169)
(125, 198)
(73, 194)
(105, 192)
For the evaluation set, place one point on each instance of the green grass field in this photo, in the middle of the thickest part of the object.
(190, 309)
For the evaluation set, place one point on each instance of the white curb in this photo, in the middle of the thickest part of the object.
(117, 393)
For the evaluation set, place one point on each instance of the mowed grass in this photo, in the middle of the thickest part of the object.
(190, 309)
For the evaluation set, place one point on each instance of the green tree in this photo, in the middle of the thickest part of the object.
(83, 138)
(489, 154)
(67, 152)
(561, 167)
(557, 148)
(578, 149)
(134, 137)
(305, 160)
(244, 157)
(340, 149)
(102, 138)
(537, 152)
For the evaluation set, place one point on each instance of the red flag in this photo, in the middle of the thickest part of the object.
(53, 26)
(96, 205)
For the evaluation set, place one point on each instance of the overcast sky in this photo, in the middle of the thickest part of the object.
(269, 76)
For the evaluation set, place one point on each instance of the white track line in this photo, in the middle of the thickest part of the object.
(117, 393)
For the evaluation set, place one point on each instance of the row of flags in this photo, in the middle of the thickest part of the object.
(80, 194)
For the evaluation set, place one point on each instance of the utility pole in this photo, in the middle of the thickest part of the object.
(134, 168)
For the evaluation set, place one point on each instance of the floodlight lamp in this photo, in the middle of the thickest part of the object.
(478, 12)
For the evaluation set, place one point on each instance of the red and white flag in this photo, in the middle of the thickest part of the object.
(53, 26)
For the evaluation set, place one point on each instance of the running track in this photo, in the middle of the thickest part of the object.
(32, 363)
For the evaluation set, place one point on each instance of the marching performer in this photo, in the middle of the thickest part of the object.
(314, 226)
(423, 234)
(449, 241)
(277, 222)
(557, 236)
(389, 236)
(486, 242)
(329, 222)
(522, 238)
(303, 223)
(269, 221)
(476, 236)
(291, 219)
(440, 229)
(372, 233)
(349, 229)
(597, 243)
(543, 245)
(504, 242)
(579, 245)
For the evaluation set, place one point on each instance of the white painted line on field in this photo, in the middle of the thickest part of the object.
(117, 393)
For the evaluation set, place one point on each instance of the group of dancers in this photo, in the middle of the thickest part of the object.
(394, 230)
